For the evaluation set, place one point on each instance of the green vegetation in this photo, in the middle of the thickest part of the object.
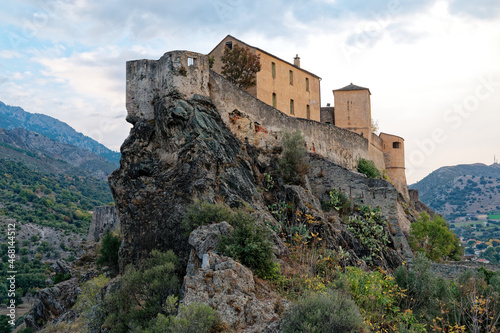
(204, 213)
(240, 66)
(58, 201)
(250, 244)
(293, 164)
(108, 253)
(87, 303)
(368, 228)
(326, 312)
(338, 201)
(143, 293)
(368, 168)
(434, 238)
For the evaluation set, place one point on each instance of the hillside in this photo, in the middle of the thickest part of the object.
(462, 189)
(43, 154)
(13, 117)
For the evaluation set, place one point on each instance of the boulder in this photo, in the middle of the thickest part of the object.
(53, 303)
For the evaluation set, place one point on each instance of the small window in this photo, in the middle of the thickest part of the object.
(274, 100)
(292, 111)
(307, 84)
(308, 111)
(229, 45)
(273, 70)
(396, 145)
(190, 61)
(291, 77)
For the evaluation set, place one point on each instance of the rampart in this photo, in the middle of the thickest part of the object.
(249, 119)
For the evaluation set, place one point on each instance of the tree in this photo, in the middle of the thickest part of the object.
(240, 66)
(293, 163)
(434, 238)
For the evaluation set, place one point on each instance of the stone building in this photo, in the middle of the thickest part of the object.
(283, 85)
(352, 111)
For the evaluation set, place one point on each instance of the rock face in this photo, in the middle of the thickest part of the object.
(104, 219)
(178, 150)
(226, 285)
(52, 304)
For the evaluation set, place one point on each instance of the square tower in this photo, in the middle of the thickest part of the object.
(353, 109)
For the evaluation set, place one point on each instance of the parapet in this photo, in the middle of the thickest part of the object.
(177, 72)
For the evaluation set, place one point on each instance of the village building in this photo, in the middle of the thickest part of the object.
(281, 84)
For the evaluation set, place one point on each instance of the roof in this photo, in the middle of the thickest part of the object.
(353, 87)
(260, 50)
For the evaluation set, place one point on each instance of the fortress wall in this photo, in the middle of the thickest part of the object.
(260, 124)
(181, 72)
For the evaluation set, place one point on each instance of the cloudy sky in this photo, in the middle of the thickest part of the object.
(433, 67)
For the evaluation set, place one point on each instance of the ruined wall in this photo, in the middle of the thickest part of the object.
(455, 269)
(104, 218)
(260, 124)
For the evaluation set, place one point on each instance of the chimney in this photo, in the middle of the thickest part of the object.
(296, 61)
(327, 104)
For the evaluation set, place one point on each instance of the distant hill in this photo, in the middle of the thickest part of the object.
(462, 189)
(13, 117)
(46, 155)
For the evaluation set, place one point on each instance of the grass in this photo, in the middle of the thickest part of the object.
(494, 217)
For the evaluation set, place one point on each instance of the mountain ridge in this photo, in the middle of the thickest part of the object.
(14, 116)
(461, 189)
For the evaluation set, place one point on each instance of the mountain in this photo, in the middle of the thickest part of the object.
(13, 117)
(462, 189)
(46, 155)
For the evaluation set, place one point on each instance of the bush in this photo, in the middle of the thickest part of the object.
(194, 318)
(143, 292)
(434, 238)
(87, 300)
(326, 312)
(249, 243)
(368, 168)
(108, 253)
(203, 213)
(293, 162)
(338, 201)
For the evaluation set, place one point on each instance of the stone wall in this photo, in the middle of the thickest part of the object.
(325, 176)
(454, 270)
(252, 120)
(104, 218)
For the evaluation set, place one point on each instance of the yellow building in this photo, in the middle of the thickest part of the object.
(283, 85)
(352, 111)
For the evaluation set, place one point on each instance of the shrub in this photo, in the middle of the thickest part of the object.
(194, 318)
(203, 213)
(143, 292)
(369, 230)
(249, 243)
(293, 162)
(108, 253)
(324, 312)
(368, 168)
(87, 301)
(434, 238)
(338, 201)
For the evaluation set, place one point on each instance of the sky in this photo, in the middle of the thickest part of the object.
(433, 67)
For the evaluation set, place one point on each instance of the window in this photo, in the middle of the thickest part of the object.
(307, 84)
(308, 111)
(396, 145)
(230, 45)
(291, 107)
(273, 70)
(274, 100)
(190, 61)
(291, 77)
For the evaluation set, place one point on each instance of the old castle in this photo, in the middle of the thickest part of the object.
(285, 97)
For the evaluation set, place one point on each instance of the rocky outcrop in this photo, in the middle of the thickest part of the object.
(52, 304)
(226, 285)
(184, 153)
(104, 219)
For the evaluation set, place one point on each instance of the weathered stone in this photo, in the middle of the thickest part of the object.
(104, 219)
(51, 303)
